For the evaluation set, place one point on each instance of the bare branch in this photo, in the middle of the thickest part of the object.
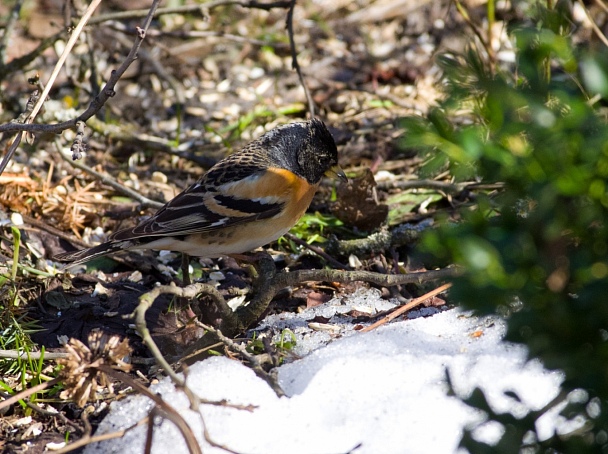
(294, 58)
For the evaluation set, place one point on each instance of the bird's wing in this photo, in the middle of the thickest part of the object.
(230, 194)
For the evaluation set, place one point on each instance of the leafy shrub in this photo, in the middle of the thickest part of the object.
(538, 251)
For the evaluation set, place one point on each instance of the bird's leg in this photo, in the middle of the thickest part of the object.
(186, 269)
(185, 302)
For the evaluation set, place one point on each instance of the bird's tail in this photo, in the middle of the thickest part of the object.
(84, 255)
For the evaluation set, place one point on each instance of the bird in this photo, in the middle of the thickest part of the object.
(246, 200)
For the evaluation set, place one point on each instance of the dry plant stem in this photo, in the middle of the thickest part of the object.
(54, 414)
(448, 188)
(106, 93)
(28, 392)
(110, 181)
(601, 4)
(14, 354)
(191, 34)
(202, 8)
(406, 307)
(87, 440)
(151, 143)
(317, 250)
(38, 224)
(8, 30)
(486, 45)
(162, 407)
(147, 299)
(253, 360)
(594, 26)
(380, 241)
(294, 58)
(270, 283)
(64, 55)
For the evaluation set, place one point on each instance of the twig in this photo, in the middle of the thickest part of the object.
(449, 188)
(253, 359)
(8, 30)
(146, 300)
(601, 4)
(110, 181)
(42, 411)
(64, 55)
(167, 411)
(317, 250)
(294, 58)
(271, 283)
(594, 26)
(28, 392)
(202, 8)
(15, 354)
(380, 241)
(52, 230)
(29, 107)
(105, 94)
(87, 440)
(406, 307)
(486, 45)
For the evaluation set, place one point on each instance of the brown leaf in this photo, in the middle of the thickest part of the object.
(358, 204)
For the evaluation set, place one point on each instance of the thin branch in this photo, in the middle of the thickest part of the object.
(594, 26)
(167, 411)
(201, 8)
(253, 359)
(317, 250)
(28, 392)
(106, 93)
(294, 58)
(406, 307)
(270, 286)
(110, 181)
(15, 354)
(382, 240)
(42, 98)
(147, 299)
(87, 440)
(8, 30)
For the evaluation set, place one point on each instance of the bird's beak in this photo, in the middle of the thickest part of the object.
(336, 172)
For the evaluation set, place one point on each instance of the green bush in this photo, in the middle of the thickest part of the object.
(538, 251)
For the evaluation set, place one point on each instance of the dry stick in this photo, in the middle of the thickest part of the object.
(147, 299)
(8, 30)
(601, 4)
(64, 55)
(108, 90)
(594, 26)
(294, 58)
(107, 179)
(168, 411)
(42, 411)
(28, 392)
(14, 354)
(253, 360)
(87, 440)
(102, 97)
(317, 250)
(402, 309)
(202, 8)
(246, 315)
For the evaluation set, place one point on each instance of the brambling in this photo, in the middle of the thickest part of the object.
(245, 201)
